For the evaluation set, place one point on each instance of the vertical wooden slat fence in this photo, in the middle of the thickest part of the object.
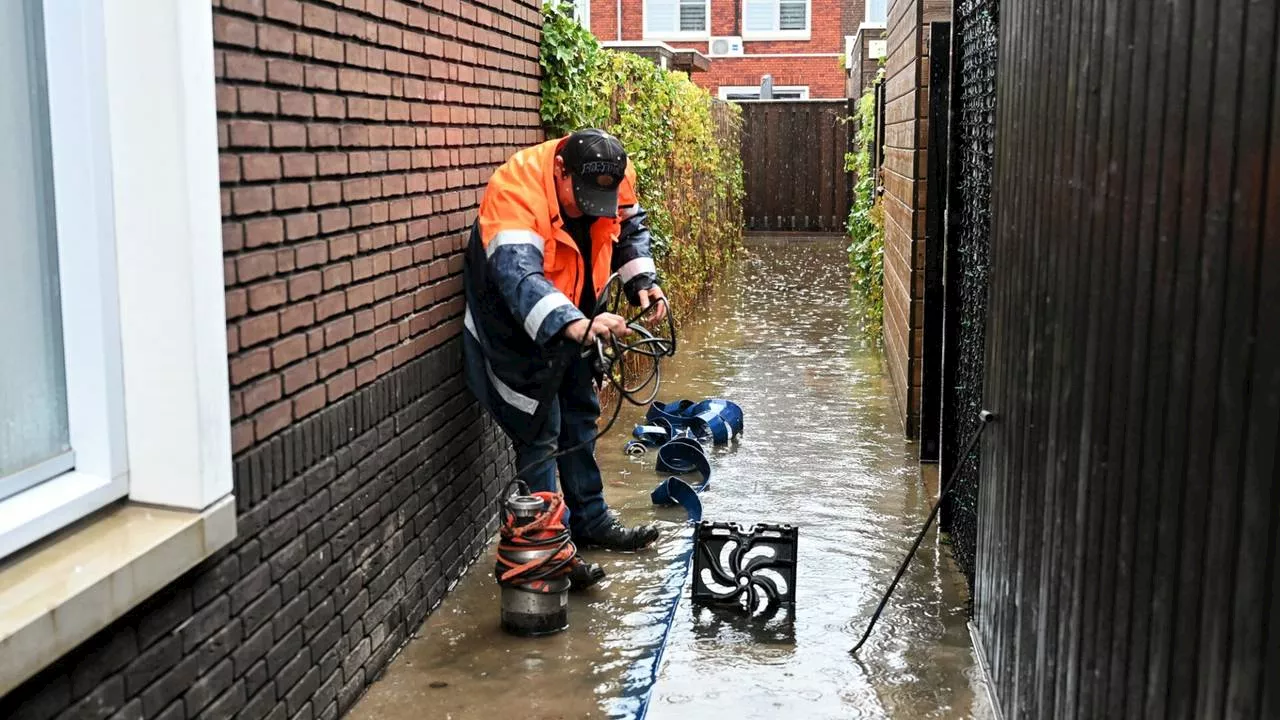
(1130, 495)
(793, 163)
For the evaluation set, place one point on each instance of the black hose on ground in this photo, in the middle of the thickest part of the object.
(985, 417)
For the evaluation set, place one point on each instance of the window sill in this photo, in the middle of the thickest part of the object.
(792, 35)
(58, 593)
(678, 37)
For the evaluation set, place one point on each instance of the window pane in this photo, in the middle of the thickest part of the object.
(693, 16)
(792, 16)
(760, 16)
(659, 16)
(33, 396)
(877, 11)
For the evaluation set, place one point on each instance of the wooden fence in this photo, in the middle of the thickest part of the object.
(793, 163)
(1130, 500)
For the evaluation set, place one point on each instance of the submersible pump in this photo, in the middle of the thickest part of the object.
(535, 559)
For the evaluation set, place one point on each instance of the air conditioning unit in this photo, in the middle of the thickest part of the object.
(724, 47)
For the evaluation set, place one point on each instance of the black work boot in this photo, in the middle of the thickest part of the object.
(619, 538)
(584, 574)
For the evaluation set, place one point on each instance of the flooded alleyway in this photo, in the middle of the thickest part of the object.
(822, 451)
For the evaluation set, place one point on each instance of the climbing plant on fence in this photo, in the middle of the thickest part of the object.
(866, 221)
(683, 143)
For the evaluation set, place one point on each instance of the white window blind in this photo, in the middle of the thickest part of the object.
(775, 16)
(34, 432)
(878, 11)
(673, 17)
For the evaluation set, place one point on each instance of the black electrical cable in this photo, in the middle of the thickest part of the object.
(615, 360)
(985, 417)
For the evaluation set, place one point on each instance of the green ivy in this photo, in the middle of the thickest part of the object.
(866, 223)
(683, 143)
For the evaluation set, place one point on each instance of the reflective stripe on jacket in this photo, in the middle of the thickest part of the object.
(522, 269)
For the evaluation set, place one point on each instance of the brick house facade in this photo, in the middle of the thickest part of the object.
(352, 141)
(807, 62)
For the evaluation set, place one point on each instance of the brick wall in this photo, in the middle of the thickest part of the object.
(825, 76)
(355, 140)
(904, 174)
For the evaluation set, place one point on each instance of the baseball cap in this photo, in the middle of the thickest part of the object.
(596, 163)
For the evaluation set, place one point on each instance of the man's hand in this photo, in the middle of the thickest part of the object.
(604, 325)
(651, 296)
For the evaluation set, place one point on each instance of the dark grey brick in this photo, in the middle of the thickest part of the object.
(291, 614)
(324, 585)
(254, 584)
(205, 623)
(313, 509)
(131, 711)
(383, 653)
(284, 651)
(287, 497)
(304, 713)
(163, 616)
(331, 661)
(277, 534)
(355, 609)
(254, 648)
(350, 691)
(250, 524)
(106, 653)
(227, 704)
(338, 515)
(305, 691)
(214, 581)
(356, 658)
(291, 584)
(288, 557)
(250, 555)
(220, 644)
(260, 705)
(320, 476)
(102, 703)
(315, 563)
(315, 620)
(345, 485)
(330, 712)
(327, 636)
(261, 610)
(345, 538)
(327, 691)
(151, 664)
(170, 686)
(208, 687)
(256, 677)
(315, 539)
(292, 674)
(175, 711)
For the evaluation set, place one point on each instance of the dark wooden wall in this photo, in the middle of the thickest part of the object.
(793, 163)
(1128, 543)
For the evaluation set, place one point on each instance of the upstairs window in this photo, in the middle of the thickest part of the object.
(775, 20)
(677, 19)
(878, 12)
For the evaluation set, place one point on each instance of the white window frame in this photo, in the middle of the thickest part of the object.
(775, 34)
(869, 22)
(133, 130)
(676, 34)
(726, 90)
(582, 13)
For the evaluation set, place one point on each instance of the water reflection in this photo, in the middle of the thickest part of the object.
(822, 450)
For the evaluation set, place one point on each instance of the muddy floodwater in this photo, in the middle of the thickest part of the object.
(822, 450)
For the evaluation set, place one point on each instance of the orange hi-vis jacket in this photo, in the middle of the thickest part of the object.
(522, 269)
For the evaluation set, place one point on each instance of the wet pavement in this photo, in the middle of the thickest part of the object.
(822, 450)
